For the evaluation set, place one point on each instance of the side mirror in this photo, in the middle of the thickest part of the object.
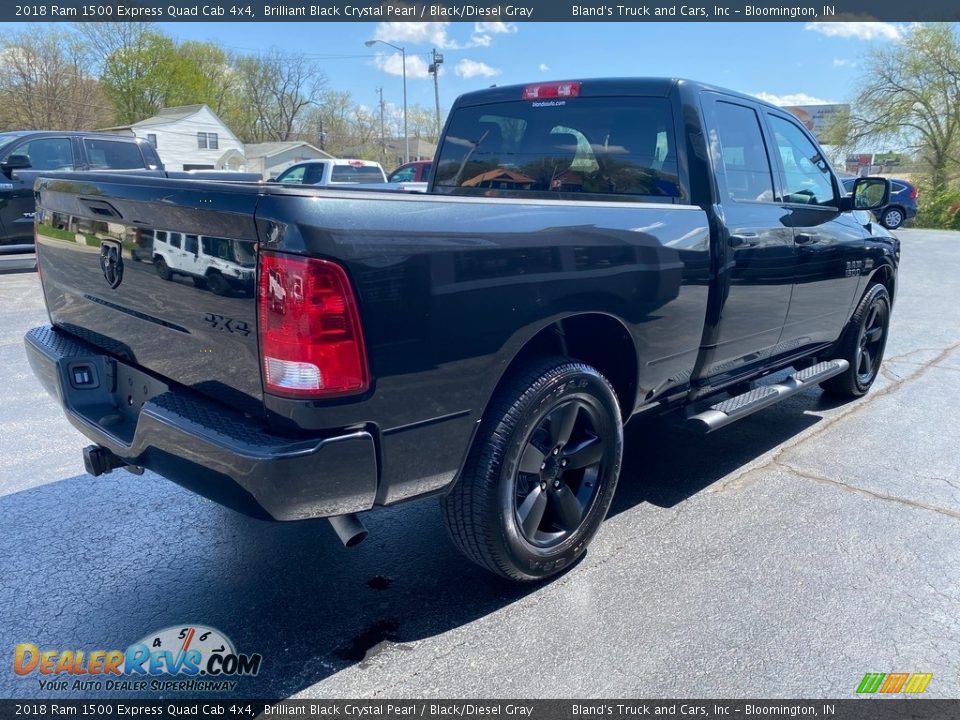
(16, 162)
(273, 179)
(869, 193)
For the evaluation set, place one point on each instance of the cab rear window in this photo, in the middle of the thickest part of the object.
(356, 174)
(608, 146)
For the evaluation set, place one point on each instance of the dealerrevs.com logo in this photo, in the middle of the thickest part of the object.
(185, 658)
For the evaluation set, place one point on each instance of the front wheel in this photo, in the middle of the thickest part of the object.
(541, 474)
(862, 345)
(217, 283)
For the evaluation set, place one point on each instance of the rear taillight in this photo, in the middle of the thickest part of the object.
(311, 341)
(914, 193)
(541, 91)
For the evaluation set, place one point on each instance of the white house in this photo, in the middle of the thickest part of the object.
(191, 137)
(272, 158)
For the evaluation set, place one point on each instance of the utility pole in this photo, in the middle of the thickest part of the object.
(403, 57)
(435, 69)
(383, 137)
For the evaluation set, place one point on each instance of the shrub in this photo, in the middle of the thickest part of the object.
(939, 210)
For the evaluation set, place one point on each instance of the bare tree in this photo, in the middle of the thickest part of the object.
(45, 84)
(278, 89)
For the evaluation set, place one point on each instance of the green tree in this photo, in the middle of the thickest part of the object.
(910, 96)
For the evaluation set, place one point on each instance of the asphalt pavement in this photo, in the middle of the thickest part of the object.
(784, 556)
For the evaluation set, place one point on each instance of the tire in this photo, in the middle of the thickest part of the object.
(892, 218)
(520, 508)
(217, 283)
(862, 345)
(160, 265)
(198, 282)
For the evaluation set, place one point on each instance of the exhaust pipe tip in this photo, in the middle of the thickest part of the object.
(349, 528)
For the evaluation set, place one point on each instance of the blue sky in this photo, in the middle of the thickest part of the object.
(795, 63)
(800, 63)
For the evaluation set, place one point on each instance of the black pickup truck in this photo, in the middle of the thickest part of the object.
(586, 252)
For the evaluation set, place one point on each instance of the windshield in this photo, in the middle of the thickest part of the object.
(620, 146)
(8, 137)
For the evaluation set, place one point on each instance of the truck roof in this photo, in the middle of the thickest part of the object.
(601, 87)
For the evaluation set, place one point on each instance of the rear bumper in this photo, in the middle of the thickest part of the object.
(199, 444)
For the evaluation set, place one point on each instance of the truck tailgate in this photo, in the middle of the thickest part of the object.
(149, 271)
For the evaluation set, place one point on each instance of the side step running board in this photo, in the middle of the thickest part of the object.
(739, 406)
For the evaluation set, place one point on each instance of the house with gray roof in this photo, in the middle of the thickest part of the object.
(272, 158)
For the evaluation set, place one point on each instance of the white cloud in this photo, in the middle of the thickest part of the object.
(415, 33)
(417, 67)
(859, 30)
(544, 67)
(494, 28)
(473, 68)
(843, 62)
(792, 99)
(436, 34)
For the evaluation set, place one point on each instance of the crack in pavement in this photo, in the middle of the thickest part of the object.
(916, 504)
(740, 479)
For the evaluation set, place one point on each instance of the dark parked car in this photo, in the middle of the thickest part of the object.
(587, 251)
(416, 171)
(26, 154)
(901, 207)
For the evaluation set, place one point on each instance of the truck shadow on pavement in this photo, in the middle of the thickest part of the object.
(98, 563)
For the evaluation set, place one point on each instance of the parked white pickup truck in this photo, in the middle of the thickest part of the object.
(332, 172)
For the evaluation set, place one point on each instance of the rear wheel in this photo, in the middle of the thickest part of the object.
(541, 473)
(892, 218)
(160, 265)
(862, 345)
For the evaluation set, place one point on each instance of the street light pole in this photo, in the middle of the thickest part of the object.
(403, 56)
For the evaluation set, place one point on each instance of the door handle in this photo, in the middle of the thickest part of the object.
(736, 241)
(805, 239)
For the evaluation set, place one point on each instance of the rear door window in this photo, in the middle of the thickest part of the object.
(608, 146)
(113, 154)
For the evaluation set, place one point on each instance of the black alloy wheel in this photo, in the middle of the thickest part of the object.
(870, 346)
(862, 345)
(556, 481)
(541, 473)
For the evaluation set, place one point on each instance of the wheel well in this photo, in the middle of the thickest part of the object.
(598, 340)
(884, 276)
